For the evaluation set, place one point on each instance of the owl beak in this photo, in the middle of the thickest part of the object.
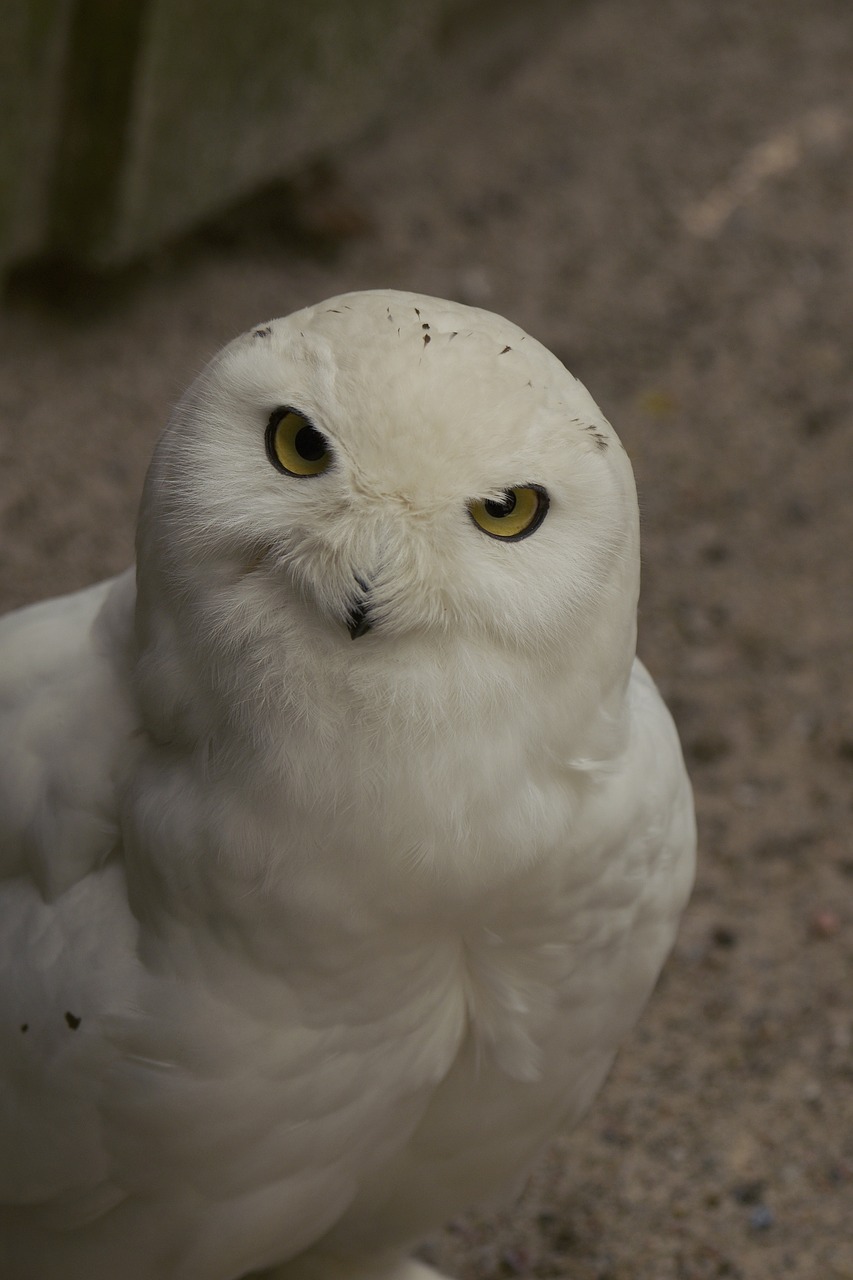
(358, 617)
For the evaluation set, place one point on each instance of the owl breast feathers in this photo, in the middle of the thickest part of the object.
(341, 843)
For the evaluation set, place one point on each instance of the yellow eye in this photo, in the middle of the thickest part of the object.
(517, 514)
(295, 446)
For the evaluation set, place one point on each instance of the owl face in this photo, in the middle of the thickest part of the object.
(397, 470)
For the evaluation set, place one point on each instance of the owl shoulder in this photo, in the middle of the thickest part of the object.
(66, 717)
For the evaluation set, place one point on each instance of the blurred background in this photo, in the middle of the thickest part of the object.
(662, 192)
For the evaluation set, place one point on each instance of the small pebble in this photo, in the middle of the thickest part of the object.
(748, 1192)
(812, 1091)
(515, 1261)
(825, 923)
(761, 1218)
(723, 936)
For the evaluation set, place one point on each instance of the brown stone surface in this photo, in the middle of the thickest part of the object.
(661, 190)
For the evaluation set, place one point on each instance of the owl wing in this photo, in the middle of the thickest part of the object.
(65, 717)
(133, 1100)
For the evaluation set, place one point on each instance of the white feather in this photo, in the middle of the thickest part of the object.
(308, 944)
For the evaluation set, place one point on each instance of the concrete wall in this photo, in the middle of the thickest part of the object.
(125, 121)
(32, 64)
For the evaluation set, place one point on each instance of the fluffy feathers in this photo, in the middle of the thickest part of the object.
(345, 930)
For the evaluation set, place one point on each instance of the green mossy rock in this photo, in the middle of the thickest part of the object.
(176, 109)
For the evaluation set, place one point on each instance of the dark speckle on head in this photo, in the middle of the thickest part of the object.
(426, 338)
(424, 325)
(72, 1020)
(601, 441)
(505, 350)
(417, 313)
(263, 332)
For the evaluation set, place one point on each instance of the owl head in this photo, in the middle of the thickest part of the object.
(376, 486)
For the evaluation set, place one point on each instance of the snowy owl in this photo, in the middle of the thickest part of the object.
(341, 843)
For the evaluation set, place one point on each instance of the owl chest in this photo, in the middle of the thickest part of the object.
(547, 988)
(542, 1018)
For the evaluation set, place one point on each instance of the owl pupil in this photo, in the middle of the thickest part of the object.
(309, 444)
(499, 509)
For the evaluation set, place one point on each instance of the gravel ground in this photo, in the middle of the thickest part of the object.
(661, 191)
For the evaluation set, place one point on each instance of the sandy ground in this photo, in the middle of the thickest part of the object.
(663, 193)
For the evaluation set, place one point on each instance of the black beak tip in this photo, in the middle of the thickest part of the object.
(358, 618)
(358, 622)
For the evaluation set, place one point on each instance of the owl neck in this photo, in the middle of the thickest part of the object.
(416, 772)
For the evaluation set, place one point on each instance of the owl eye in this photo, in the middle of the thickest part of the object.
(295, 446)
(517, 514)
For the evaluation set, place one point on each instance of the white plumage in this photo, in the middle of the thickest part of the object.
(309, 943)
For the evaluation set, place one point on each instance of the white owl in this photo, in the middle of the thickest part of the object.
(342, 845)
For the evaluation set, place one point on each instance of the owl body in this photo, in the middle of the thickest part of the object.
(318, 940)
